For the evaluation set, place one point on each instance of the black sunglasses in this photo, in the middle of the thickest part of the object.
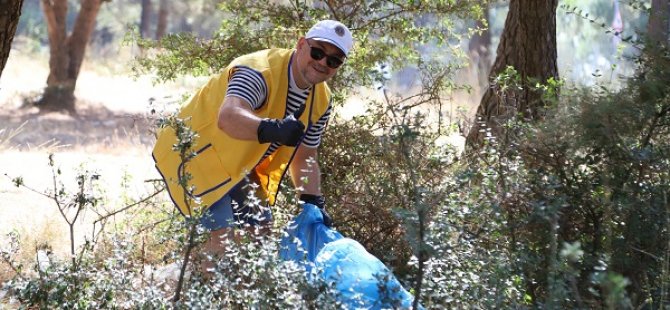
(318, 54)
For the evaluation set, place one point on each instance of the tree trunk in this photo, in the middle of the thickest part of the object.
(162, 19)
(479, 48)
(184, 25)
(617, 25)
(528, 43)
(145, 18)
(658, 21)
(66, 53)
(9, 18)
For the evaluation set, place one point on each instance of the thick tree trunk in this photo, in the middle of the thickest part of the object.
(162, 19)
(528, 43)
(479, 48)
(145, 18)
(66, 53)
(658, 21)
(9, 18)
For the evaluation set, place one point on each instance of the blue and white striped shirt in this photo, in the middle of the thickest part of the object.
(249, 85)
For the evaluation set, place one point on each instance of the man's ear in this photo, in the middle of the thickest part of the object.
(300, 43)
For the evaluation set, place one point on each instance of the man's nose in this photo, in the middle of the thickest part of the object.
(324, 62)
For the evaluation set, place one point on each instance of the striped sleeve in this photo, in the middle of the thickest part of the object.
(249, 85)
(313, 136)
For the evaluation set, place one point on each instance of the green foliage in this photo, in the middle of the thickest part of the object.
(559, 214)
(406, 200)
(9, 251)
(594, 173)
(251, 275)
(89, 286)
(384, 31)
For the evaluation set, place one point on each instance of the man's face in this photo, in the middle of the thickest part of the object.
(312, 71)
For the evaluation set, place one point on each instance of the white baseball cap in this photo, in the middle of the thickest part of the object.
(332, 32)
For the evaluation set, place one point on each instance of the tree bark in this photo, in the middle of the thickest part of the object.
(658, 21)
(66, 53)
(9, 18)
(145, 18)
(528, 43)
(162, 19)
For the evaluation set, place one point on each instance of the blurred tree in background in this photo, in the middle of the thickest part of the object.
(659, 21)
(479, 48)
(69, 32)
(147, 17)
(66, 51)
(9, 18)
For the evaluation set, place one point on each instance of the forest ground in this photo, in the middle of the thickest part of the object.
(110, 135)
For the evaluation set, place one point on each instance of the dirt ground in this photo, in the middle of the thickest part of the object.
(111, 136)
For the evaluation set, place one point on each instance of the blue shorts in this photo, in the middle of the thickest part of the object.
(238, 208)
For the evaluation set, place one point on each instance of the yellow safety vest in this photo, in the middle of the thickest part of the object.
(222, 161)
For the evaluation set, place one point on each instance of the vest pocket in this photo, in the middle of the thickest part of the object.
(207, 172)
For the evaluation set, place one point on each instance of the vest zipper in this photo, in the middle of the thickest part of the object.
(309, 126)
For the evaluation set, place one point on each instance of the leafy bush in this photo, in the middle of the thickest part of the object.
(583, 194)
(250, 275)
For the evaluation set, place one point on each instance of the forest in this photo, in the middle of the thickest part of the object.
(491, 154)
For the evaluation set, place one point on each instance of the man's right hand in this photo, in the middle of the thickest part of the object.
(320, 202)
(287, 131)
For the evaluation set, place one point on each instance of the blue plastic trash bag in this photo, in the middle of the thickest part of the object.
(306, 235)
(362, 280)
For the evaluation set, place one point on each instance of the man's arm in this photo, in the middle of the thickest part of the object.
(305, 172)
(237, 119)
(306, 177)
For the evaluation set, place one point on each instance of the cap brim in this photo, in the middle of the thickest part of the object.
(332, 43)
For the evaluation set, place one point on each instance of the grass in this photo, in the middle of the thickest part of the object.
(6, 135)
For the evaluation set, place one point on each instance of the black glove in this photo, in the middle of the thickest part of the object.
(320, 202)
(287, 131)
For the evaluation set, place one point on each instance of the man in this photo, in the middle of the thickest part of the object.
(263, 115)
